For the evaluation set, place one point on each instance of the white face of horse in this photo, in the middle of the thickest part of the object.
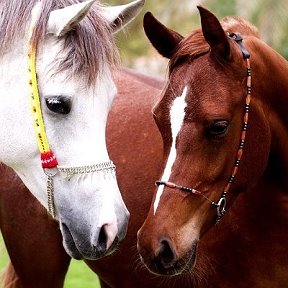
(89, 207)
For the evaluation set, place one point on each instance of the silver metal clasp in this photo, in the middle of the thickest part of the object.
(221, 205)
(220, 208)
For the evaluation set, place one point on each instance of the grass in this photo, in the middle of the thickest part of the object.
(78, 276)
(3, 256)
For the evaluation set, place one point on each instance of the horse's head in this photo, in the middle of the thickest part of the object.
(75, 53)
(202, 117)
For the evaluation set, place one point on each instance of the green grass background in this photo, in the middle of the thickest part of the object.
(78, 276)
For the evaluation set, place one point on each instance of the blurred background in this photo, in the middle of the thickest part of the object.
(269, 16)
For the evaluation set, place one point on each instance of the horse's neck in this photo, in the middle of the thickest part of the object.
(257, 220)
(273, 81)
(275, 84)
(278, 162)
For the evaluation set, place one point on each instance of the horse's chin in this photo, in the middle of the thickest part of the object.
(70, 247)
(182, 265)
(82, 252)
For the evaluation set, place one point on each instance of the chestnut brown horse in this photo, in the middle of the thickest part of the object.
(200, 117)
(224, 123)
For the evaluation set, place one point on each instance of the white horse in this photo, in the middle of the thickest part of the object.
(75, 53)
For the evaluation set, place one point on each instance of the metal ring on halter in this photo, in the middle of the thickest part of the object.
(221, 205)
(50, 172)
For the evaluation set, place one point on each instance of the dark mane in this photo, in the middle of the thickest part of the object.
(88, 46)
(195, 45)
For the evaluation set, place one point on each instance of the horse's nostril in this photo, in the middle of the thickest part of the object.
(166, 255)
(102, 240)
(105, 239)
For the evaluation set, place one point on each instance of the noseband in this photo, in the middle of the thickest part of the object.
(48, 159)
(220, 205)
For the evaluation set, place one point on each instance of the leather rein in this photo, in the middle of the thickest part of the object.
(220, 205)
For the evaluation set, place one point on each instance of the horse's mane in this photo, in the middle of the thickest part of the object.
(88, 46)
(195, 45)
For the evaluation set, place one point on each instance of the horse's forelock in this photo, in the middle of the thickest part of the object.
(88, 47)
(190, 47)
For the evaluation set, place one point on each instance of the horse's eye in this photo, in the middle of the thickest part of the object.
(218, 128)
(58, 104)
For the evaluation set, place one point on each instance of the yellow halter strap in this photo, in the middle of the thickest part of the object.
(48, 159)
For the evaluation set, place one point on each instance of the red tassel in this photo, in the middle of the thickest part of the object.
(48, 160)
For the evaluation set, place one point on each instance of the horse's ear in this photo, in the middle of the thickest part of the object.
(119, 16)
(164, 40)
(63, 20)
(214, 34)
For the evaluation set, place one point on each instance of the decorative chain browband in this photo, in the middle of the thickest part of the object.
(48, 159)
(106, 167)
(221, 204)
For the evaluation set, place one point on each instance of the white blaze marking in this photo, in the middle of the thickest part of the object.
(177, 114)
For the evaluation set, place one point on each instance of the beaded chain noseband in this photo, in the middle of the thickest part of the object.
(48, 159)
(221, 204)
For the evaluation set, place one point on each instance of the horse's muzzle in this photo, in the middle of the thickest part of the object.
(166, 260)
(103, 241)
